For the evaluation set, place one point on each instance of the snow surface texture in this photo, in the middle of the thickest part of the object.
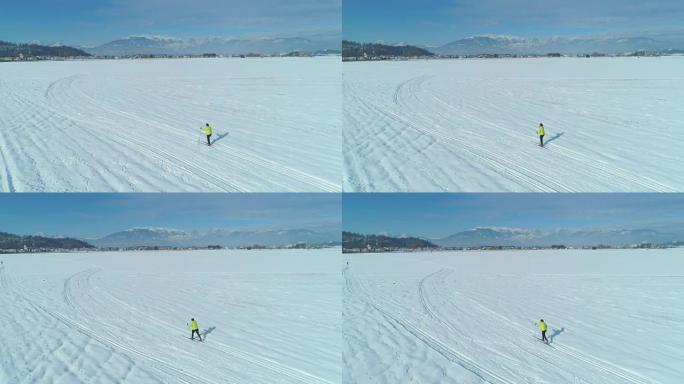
(612, 124)
(134, 125)
(266, 316)
(614, 316)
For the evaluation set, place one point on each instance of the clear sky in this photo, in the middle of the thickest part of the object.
(440, 215)
(94, 22)
(93, 215)
(436, 22)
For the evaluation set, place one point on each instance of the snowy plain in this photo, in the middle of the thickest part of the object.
(614, 316)
(134, 125)
(612, 125)
(266, 316)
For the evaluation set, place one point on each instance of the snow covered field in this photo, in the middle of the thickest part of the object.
(134, 125)
(614, 316)
(612, 124)
(267, 316)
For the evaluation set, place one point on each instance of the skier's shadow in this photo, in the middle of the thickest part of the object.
(207, 331)
(219, 137)
(556, 136)
(555, 333)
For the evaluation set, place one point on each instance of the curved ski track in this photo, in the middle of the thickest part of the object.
(80, 282)
(432, 287)
(465, 133)
(105, 148)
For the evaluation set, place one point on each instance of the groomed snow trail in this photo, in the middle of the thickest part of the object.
(120, 317)
(470, 317)
(612, 125)
(127, 125)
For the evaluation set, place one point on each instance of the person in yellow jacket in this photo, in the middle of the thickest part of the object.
(207, 131)
(195, 329)
(543, 327)
(540, 132)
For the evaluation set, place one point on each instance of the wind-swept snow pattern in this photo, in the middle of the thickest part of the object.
(614, 316)
(134, 125)
(612, 125)
(265, 316)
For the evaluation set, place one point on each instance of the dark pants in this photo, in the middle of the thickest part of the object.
(541, 140)
(193, 334)
(208, 139)
(544, 337)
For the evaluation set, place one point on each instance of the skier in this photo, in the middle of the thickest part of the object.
(207, 131)
(542, 327)
(540, 132)
(195, 329)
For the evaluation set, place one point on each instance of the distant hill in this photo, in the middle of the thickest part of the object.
(352, 240)
(357, 50)
(34, 50)
(10, 241)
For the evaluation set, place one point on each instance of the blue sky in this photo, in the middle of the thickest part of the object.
(95, 215)
(436, 22)
(94, 22)
(440, 215)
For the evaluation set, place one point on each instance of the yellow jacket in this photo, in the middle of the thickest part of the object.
(542, 326)
(207, 130)
(194, 326)
(540, 130)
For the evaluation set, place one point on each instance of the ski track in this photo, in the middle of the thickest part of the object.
(441, 286)
(82, 134)
(444, 321)
(165, 368)
(440, 131)
(84, 307)
(82, 281)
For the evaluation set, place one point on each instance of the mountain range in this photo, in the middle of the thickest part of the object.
(318, 235)
(166, 45)
(498, 236)
(501, 44)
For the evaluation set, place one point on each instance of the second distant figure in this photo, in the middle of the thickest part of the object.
(540, 132)
(207, 131)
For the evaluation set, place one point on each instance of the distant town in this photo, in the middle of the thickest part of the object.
(359, 243)
(353, 51)
(10, 244)
(10, 52)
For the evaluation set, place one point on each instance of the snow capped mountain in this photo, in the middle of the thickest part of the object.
(143, 44)
(503, 44)
(322, 234)
(498, 236)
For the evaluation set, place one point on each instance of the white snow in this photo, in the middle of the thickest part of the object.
(134, 125)
(612, 124)
(267, 316)
(614, 316)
